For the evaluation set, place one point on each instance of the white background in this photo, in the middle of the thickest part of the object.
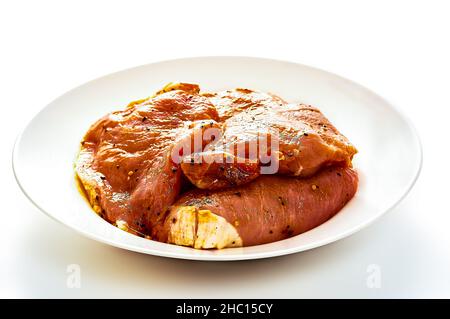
(400, 49)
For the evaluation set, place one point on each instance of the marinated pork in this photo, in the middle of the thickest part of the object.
(269, 209)
(291, 139)
(125, 162)
(215, 170)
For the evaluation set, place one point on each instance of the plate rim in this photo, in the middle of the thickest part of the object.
(261, 255)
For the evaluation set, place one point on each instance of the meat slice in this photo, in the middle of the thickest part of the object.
(211, 173)
(290, 139)
(268, 209)
(126, 165)
(232, 102)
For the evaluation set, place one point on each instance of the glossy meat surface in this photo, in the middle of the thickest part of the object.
(274, 207)
(125, 162)
(232, 102)
(180, 167)
(263, 134)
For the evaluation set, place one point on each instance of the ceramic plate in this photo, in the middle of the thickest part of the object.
(388, 161)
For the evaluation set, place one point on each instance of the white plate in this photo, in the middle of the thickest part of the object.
(388, 161)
